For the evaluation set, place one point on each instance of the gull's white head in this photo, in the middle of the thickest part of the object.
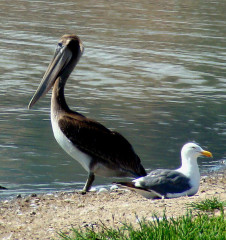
(193, 151)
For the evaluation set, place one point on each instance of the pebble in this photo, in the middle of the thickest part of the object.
(33, 205)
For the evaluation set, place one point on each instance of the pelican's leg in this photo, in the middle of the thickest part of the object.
(89, 182)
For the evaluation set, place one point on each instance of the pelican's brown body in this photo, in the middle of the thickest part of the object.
(99, 150)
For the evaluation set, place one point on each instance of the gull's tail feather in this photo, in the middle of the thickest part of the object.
(149, 194)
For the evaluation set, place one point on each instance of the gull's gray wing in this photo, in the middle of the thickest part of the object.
(164, 181)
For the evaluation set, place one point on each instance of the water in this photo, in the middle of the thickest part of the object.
(154, 71)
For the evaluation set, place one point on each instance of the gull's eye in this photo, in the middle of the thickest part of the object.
(193, 147)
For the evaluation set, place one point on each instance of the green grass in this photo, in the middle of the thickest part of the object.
(200, 226)
(208, 205)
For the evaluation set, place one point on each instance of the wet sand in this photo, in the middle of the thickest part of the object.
(44, 216)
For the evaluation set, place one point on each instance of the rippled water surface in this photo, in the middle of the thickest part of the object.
(152, 70)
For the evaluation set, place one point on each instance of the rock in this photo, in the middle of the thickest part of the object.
(113, 187)
(102, 190)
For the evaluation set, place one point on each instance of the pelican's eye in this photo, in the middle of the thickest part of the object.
(59, 46)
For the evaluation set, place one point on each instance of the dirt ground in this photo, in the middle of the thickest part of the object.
(44, 216)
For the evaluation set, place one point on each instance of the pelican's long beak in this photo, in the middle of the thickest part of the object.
(55, 69)
(207, 154)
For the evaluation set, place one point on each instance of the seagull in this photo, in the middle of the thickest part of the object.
(99, 150)
(166, 183)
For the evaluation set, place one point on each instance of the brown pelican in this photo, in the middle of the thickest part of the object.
(167, 183)
(99, 150)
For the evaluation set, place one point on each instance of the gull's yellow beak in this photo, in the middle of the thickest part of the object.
(207, 154)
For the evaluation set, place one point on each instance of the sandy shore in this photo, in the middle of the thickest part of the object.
(42, 216)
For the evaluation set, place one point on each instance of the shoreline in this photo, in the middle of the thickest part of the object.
(41, 216)
(10, 194)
